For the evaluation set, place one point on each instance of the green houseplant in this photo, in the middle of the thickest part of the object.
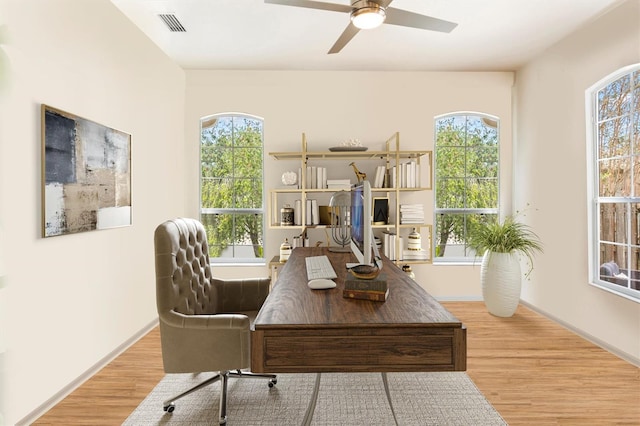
(500, 245)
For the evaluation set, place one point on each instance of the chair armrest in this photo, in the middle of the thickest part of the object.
(206, 322)
(239, 295)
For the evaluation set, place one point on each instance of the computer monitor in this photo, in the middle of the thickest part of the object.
(361, 230)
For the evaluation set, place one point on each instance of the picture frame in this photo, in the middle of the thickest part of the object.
(380, 210)
(86, 174)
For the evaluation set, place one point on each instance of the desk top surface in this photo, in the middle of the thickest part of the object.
(292, 303)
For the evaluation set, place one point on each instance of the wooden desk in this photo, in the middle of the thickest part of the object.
(304, 330)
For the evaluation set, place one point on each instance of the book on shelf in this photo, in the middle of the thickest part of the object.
(316, 177)
(389, 245)
(406, 175)
(375, 296)
(312, 213)
(411, 213)
(339, 184)
(378, 181)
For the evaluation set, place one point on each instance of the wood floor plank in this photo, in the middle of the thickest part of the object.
(532, 370)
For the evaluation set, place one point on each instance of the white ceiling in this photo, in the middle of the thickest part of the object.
(492, 35)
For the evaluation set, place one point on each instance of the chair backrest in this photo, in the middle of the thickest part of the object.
(183, 275)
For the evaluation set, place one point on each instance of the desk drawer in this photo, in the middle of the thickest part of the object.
(360, 350)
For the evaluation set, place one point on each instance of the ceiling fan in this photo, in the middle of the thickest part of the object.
(367, 14)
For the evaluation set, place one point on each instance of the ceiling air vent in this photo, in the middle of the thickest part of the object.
(172, 22)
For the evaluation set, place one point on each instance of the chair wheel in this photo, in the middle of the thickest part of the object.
(272, 382)
(169, 408)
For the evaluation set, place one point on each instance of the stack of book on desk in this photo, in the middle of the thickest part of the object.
(375, 289)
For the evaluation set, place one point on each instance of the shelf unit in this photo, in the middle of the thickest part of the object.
(389, 157)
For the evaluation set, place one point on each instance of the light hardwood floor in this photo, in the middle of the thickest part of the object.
(532, 370)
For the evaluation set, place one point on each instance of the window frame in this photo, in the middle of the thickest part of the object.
(461, 260)
(235, 261)
(594, 201)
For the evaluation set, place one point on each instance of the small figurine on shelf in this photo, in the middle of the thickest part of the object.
(359, 175)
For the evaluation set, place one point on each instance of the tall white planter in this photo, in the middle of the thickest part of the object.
(501, 281)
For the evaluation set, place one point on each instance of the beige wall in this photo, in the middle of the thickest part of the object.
(330, 107)
(550, 174)
(73, 299)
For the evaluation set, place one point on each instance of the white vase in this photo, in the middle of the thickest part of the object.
(501, 281)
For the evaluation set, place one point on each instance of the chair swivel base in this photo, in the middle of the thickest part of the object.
(223, 377)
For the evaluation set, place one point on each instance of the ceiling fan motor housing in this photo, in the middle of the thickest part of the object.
(367, 14)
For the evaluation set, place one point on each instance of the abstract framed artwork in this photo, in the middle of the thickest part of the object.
(86, 175)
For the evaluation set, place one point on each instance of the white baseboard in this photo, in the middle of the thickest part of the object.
(459, 298)
(604, 345)
(64, 392)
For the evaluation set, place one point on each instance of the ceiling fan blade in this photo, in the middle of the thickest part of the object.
(332, 7)
(409, 19)
(344, 38)
(384, 3)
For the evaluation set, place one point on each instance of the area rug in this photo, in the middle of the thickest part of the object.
(350, 399)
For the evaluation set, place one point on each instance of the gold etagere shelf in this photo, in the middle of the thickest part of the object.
(391, 156)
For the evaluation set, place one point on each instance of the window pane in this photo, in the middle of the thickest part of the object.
(613, 217)
(479, 133)
(482, 193)
(234, 235)
(452, 230)
(218, 132)
(247, 162)
(450, 131)
(217, 193)
(248, 234)
(450, 235)
(615, 180)
(482, 162)
(635, 259)
(614, 99)
(248, 193)
(614, 137)
(450, 162)
(247, 132)
(450, 193)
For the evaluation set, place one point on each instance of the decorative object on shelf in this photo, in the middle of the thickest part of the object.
(414, 241)
(407, 270)
(289, 178)
(500, 273)
(340, 205)
(286, 215)
(380, 210)
(285, 250)
(349, 145)
(359, 175)
(347, 148)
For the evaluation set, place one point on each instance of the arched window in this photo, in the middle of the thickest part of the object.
(466, 180)
(231, 186)
(613, 133)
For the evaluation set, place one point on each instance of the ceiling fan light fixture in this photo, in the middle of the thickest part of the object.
(368, 17)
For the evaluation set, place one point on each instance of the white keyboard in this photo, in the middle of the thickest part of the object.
(319, 267)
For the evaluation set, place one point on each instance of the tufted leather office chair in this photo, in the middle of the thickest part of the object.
(205, 322)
